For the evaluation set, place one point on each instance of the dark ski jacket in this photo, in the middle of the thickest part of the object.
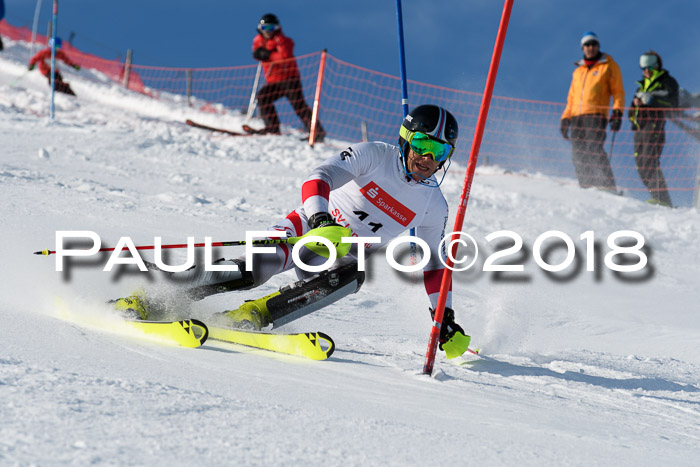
(660, 93)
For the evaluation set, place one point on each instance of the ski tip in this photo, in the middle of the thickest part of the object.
(330, 345)
(43, 252)
(198, 330)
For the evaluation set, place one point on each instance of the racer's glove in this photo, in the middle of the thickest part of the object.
(449, 327)
(321, 219)
(452, 340)
(31, 67)
(77, 67)
(616, 120)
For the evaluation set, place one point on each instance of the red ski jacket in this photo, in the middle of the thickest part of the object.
(45, 54)
(281, 65)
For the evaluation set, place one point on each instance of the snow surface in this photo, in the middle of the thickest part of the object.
(583, 368)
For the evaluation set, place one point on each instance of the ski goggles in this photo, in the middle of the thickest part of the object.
(426, 145)
(268, 27)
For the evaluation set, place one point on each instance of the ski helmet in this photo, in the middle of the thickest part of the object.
(436, 124)
(59, 42)
(650, 60)
(433, 121)
(269, 23)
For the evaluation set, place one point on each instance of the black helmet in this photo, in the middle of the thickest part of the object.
(433, 120)
(269, 19)
(438, 124)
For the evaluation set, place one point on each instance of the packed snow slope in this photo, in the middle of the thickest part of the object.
(579, 367)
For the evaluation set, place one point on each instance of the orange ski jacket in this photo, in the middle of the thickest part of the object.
(591, 88)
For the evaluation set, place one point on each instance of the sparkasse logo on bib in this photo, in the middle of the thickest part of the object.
(384, 201)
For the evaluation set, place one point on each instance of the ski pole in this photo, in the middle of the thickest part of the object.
(253, 101)
(333, 233)
(290, 240)
(612, 145)
(16, 80)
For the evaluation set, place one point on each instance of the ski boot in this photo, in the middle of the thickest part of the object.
(132, 307)
(658, 202)
(252, 315)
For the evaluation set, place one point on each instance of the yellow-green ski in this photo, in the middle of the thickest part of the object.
(187, 333)
(313, 345)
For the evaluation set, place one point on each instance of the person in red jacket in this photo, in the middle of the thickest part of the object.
(45, 69)
(276, 52)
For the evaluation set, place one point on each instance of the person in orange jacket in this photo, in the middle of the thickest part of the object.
(276, 52)
(45, 69)
(595, 80)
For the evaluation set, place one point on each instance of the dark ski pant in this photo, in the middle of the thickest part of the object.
(292, 90)
(648, 145)
(588, 155)
(60, 85)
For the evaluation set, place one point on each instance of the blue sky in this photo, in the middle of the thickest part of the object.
(448, 43)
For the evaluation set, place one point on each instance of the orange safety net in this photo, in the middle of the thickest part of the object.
(521, 135)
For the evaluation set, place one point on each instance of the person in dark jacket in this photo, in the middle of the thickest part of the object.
(276, 52)
(656, 95)
(45, 69)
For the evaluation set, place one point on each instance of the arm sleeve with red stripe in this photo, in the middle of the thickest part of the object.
(432, 230)
(335, 172)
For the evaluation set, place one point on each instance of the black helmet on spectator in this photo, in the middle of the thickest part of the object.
(268, 23)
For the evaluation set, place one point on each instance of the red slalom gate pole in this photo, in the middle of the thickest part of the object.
(317, 98)
(466, 188)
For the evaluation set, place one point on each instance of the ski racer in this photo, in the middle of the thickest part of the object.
(45, 69)
(368, 190)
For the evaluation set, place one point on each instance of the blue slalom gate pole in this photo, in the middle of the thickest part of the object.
(402, 60)
(54, 25)
(404, 95)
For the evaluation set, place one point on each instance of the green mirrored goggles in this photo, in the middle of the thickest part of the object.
(426, 145)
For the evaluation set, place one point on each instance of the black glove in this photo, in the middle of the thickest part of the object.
(261, 53)
(564, 127)
(321, 219)
(31, 67)
(449, 327)
(616, 120)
